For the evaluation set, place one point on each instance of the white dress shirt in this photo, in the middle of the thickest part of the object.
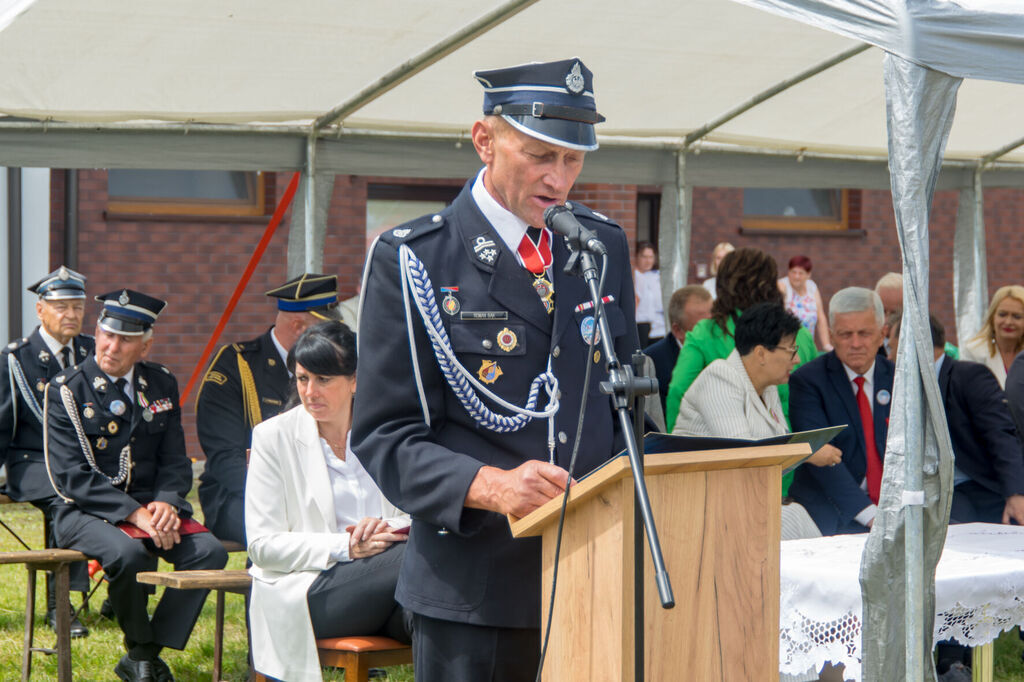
(56, 346)
(510, 227)
(356, 496)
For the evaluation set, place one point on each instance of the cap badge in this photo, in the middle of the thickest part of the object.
(63, 273)
(44, 356)
(489, 371)
(112, 427)
(574, 80)
(99, 384)
(101, 443)
(507, 340)
(123, 298)
(450, 304)
(88, 413)
(118, 407)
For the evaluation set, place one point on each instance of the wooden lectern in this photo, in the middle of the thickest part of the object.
(718, 517)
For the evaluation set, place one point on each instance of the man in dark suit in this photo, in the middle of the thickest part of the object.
(26, 366)
(989, 461)
(850, 385)
(247, 383)
(116, 457)
(688, 306)
(487, 279)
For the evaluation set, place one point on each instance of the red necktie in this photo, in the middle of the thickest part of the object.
(536, 256)
(867, 422)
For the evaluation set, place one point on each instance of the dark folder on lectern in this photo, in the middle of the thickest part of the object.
(657, 443)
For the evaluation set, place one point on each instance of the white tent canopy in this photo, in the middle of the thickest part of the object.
(662, 71)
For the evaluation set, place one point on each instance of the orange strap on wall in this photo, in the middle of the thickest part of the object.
(254, 260)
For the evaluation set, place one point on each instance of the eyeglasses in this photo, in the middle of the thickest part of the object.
(792, 350)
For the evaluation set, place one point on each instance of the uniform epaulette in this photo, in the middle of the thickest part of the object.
(156, 366)
(66, 375)
(414, 228)
(587, 212)
(245, 346)
(16, 344)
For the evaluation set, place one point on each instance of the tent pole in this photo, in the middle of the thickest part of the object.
(310, 201)
(14, 231)
(411, 67)
(772, 91)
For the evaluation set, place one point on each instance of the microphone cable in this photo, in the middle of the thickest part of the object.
(598, 313)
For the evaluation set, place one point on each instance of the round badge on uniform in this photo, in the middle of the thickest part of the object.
(450, 304)
(147, 415)
(589, 330)
(88, 413)
(40, 385)
(112, 427)
(883, 397)
(118, 407)
(507, 340)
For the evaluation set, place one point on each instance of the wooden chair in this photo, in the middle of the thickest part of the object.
(58, 561)
(356, 655)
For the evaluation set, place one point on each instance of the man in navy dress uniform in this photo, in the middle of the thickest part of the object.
(247, 383)
(26, 366)
(487, 278)
(116, 457)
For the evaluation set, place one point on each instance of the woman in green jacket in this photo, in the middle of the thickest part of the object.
(745, 277)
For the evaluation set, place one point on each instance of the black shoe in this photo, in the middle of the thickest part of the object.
(135, 671)
(162, 671)
(77, 628)
(107, 609)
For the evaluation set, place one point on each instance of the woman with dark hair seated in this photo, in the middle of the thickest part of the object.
(738, 397)
(325, 544)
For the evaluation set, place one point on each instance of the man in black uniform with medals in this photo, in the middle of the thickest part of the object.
(248, 383)
(116, 457)
(26, 366)
(470, 307)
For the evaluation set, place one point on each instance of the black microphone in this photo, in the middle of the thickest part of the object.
(561, 220)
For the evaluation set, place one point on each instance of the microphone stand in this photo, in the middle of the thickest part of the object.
(624, 388)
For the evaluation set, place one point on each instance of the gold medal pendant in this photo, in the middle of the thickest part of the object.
(546, 291)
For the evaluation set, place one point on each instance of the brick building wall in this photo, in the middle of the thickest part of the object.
(195, 264)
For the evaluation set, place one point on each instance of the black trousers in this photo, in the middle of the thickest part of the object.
(227, 522)
(974, 503)
(358, 598)
(446, 651)
(123, 557)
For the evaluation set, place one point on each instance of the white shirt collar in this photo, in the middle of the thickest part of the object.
(507, 224)
(129, 378)
(938, 364)
(280, 349)
(869, 376)
(55, 346)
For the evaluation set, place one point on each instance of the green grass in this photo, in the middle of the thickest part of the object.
(94, 657)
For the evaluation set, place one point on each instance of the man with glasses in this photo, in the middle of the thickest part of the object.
(849, 385)
(26, 366)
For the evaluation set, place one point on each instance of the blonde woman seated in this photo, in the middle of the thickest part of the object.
(324, 543)
(738, 397)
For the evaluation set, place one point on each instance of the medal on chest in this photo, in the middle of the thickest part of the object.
(537, 259)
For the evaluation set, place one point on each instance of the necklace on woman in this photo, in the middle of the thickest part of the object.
(338, 446)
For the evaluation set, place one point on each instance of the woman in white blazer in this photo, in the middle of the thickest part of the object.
(738, 397)
(325, 544)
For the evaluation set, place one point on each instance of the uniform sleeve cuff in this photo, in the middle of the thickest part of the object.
(866, 515)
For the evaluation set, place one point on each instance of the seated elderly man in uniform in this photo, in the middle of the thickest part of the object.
(246, 384)
(116, 457)
(26, 366)
(488, 299)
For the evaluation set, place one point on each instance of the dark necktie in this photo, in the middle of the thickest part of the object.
(874, 462)
(122, 386)
(65, 355)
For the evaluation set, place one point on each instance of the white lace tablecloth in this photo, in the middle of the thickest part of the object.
(979, 585)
